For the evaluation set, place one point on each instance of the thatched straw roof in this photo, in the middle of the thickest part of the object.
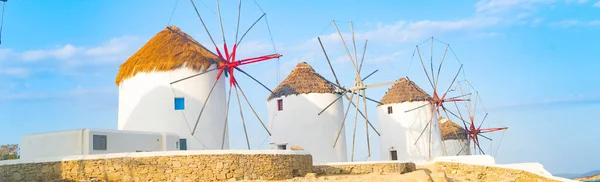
(451, 130)
(168, 50)
(404, 91)
(302, 80)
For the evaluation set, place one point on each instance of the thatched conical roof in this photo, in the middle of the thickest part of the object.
(302, 80)
(404, 91)
(451, 130)
(168, 50)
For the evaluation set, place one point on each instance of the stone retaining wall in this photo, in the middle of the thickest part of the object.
(364, 168)
(189, 167)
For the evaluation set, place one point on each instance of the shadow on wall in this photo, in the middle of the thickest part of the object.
(155, 112)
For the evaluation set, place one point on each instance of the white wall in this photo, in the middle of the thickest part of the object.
(60, 143)
(146, 103)
(453, 147)
(80, 142)
(299, 125)
(400, 130)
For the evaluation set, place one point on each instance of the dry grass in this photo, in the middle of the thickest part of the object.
(404, 91)
(302, 80)
(168, 50)
(451, 130)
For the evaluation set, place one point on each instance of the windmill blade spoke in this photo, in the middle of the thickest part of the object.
(380, 84)
(204, 106)
(194, 75)
(328, 61)
(239, 69)
(433, 78)
(347, 50)
(453, 80)
(459, 97)
(369, 75)
(343, 121)
(416, 108)
(237, 94)
(204, 25)
(478, 146)
(486, 114)
(463, 148)
(354, 45)
(441, 63)
(363, 59)
(459, 117)
(354, 131)
(424, 129)
(367, 125)
(363, 115)
(244, 35)
(424, 69)
(221, 22)
(237, 27)
(485, 137)
(252, 108)
(330, 104)
(226, 119)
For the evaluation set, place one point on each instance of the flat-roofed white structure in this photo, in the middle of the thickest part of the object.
(95, 141)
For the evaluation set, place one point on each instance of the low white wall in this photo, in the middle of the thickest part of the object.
(80, 142)
(60, 143)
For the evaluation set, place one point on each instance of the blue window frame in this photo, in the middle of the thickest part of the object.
(183, 144)
(179, 103)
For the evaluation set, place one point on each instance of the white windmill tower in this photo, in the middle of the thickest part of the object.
(454, 138)
(401, 129)
(148, 101)
(357, 91)
(293, 120)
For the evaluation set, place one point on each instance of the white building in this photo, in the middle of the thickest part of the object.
(401, 129)
(293, 116)
(87, 141)
(454, 138)
(149, 102)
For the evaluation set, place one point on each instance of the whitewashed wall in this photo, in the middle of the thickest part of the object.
(146, 103)
(60, 143)
(453, 147)
(299, 125)
(400, 130)
(80, 142)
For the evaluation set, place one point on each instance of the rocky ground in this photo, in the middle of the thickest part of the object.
(439, 172)
(589, 178)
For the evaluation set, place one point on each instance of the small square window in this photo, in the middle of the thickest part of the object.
(183, 145)
(394, 155)
(390, 111)
(280, 104)
(99, 142)
(282, 147)
(179, 103)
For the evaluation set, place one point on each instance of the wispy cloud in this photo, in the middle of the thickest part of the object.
(15, 72)
(597, 4)
(573, 23)
(65, 52)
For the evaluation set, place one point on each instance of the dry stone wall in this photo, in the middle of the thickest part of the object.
(205, 167)
(364, 168)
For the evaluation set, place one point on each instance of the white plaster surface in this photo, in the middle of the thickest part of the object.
(400, 130)
(299, 124)
(146, 103)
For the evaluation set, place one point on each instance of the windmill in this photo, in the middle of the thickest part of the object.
(438, 97)
(358, 89)
(227, 65)
(474, 132)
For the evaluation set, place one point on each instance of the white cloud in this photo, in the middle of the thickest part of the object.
(504, 6)
(65, 52)
(565, 23)
(577, 1)
(597, 4)
(16, 72)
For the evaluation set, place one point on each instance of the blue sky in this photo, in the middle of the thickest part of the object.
(532, 62)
